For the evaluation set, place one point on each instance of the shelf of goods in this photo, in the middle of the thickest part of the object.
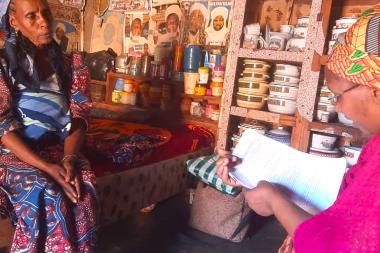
(322, 14)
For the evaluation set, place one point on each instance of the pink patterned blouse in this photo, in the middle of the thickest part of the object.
(352, 223)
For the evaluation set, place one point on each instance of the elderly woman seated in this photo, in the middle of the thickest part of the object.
(49, 185)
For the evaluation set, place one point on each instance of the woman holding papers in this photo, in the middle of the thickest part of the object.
(352, 223)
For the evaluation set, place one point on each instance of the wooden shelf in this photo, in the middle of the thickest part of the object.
(272, 55)
(118, 107)
(200, 121)
(336, 129)
(281, 119)
(98, 82)
(210, 99)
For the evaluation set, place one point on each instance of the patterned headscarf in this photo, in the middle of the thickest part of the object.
(357, 58)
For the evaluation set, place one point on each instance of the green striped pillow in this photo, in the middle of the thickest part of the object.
(204, 167)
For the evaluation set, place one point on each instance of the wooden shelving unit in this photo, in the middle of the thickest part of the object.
(270, 55)
(279, 119)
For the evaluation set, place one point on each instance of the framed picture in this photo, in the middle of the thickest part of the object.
(131, 6)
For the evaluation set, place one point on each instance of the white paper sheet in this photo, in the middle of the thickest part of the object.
(312, 181)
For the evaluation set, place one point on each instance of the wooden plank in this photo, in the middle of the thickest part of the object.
(272, 55)
(336, 129)
(201, 121)
(98, 82)
(280, 119)
(209, 99)
(300, 134)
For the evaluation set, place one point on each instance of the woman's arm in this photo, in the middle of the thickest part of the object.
(266, 199)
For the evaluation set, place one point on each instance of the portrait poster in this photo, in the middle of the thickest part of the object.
(136, 34)
(219, 24)
(131, 6)
(166, 24)
(196, 17)
(110, 34)
(66, 25)
(65, 35)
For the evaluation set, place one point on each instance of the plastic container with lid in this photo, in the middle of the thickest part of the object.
(203, 75)
(124, 98)
(128, 85)
(215, 114)
(119, 84)
(218, 73)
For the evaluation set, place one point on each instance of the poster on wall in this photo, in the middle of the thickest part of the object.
(208, 22)
(131, 6)
(166, 23)
(66, 26)
(218, 27)
(110, 34)
(65, 35)
(136, 34)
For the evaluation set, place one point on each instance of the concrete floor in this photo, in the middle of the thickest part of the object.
(165, 230)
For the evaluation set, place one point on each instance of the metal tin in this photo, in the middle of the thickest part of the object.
(116, 96)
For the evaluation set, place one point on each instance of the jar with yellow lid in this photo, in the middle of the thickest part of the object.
(200, 89)
(203, 75)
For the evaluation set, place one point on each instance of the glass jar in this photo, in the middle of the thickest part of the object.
(200, 89)
(217, 88)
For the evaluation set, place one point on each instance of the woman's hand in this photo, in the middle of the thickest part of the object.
(58, 173)
(226, 162)
(71, 175)
(261, 198)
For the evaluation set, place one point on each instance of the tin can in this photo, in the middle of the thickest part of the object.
(128, 85)
(116, 96)
(154, 69)
(124, 98)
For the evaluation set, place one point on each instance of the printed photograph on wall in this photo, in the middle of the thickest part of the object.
(166, 24)
(110, 34)
(136, 34)
(66, 26)
(218, 27)
(65, 35)
(131, 6)
(196, 16)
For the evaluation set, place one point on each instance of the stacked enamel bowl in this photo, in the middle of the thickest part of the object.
(253, 85)
(341, 26)
(255, 125)
(284, 89)
(325, 108)
(324, 145)
(279, 134)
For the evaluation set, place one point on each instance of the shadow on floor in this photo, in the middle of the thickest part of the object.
(165, 230)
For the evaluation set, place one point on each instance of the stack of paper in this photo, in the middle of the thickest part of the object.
(313, 182)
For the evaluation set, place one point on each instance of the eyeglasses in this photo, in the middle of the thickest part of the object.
(335, 97)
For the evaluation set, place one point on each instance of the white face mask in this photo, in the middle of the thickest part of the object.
(344, 119)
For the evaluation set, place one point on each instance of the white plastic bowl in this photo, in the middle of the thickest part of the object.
(287, 70)
(293, 81)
